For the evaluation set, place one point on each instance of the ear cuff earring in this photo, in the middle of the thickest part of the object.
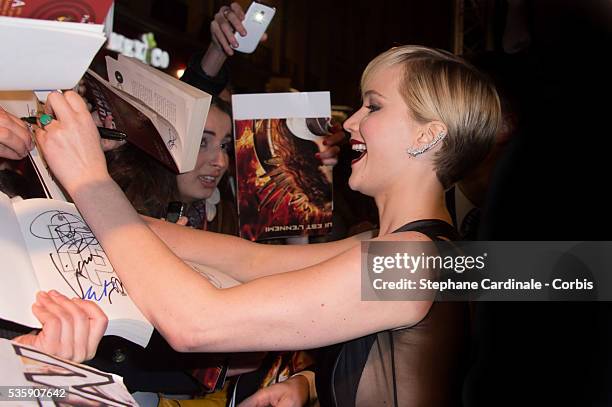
(414, 152)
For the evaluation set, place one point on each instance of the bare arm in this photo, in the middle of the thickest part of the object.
(188, 311)
(241, 259)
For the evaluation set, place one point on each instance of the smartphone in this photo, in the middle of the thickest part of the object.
(174, 211)
(258, 16)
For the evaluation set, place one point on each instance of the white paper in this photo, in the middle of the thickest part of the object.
(26, 367)
(67, 257)
(45, 55)
(52, 189)
(280, 105)
(19, 103)
(18, 286)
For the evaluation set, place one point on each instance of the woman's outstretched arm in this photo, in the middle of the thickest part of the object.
(242, 259)
(301, 309)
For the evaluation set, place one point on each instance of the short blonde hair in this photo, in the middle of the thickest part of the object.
(437, 85)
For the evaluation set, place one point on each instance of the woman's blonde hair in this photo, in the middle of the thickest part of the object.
(437, 85)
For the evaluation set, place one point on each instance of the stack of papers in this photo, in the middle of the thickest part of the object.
(46, 55)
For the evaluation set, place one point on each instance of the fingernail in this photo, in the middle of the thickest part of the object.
(318, 155)
(324, 142)
(54, 293)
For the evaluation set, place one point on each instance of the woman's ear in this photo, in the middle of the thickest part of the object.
(428, 136)
(430, 131)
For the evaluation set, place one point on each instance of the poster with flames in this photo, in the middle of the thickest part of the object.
(283, 189)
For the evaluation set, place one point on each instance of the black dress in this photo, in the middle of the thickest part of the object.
(422, 365)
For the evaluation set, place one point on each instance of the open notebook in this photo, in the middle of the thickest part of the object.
(45, 244)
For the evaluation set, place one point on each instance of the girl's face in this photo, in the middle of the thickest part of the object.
(381, 131)
(212, 159)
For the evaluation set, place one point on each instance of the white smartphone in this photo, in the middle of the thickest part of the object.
(258, 16)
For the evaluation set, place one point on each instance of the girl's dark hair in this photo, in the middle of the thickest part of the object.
(148, 185)
(221, 105)
(14, 184)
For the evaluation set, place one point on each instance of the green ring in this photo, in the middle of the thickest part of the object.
(45, 119)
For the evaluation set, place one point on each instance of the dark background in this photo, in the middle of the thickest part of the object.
(319, 45)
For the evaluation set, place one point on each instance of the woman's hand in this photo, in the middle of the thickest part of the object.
(71, 329)
(107, 145)
(329, 155)
(108, 123)
(226, 23)
(293, 392)
(71, 143)
(15, 139)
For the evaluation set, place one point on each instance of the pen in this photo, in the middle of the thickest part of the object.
(108, 134)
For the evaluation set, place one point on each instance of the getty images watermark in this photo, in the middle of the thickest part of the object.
(487, 271)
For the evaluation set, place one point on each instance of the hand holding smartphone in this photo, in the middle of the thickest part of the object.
(233, 30)
(256, 21)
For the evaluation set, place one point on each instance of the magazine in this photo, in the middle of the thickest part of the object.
(283, 188)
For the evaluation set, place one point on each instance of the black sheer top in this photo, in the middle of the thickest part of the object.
(422, 365)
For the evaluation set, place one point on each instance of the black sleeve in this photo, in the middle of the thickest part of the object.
(195, 76)
(11, 330)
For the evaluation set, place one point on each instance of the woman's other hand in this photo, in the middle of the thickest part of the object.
(293, 392)
(332, 142)
(226, 23)
(71, 329)
(15, 139)
(108, 122)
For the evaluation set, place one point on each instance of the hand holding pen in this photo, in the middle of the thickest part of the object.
(107, 134)
(70, 142)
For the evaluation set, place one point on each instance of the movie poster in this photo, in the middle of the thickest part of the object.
(283, 189)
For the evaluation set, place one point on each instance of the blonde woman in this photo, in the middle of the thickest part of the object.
(427, 119)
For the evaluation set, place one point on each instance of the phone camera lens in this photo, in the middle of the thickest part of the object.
(259, 16)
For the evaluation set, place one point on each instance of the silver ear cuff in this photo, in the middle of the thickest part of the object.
(414, 152)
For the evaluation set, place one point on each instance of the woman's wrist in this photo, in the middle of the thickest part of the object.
(213, 60)
(86, 182)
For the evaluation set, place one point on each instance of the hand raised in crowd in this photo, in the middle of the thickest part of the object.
(228, 22)
(329, 156)
(71, 329)
(293, 392)
(15, 138)
(71, 143)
